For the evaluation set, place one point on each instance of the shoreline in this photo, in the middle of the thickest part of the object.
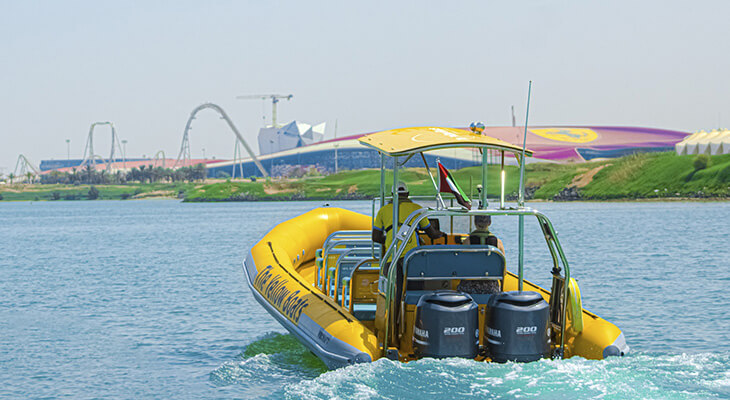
(638, 177)
(365, 198)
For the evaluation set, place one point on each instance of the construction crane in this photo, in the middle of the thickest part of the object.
(274, 100)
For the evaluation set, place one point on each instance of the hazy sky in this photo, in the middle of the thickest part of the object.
(372, 65)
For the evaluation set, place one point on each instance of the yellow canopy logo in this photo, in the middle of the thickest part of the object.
(573, 135)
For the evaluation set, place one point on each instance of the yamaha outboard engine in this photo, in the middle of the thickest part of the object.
(517, 327)
(446, 325)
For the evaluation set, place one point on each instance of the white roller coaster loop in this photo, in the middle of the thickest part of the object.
(89, 150)
(157, 157)
(185, 146)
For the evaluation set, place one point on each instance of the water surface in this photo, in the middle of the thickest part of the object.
(146, 299)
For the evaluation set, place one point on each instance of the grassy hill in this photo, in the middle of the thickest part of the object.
(37, 192)
(639, 176)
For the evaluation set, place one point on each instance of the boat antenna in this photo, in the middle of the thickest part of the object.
(524, 145)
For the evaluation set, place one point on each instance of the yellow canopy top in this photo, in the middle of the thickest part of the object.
(403, 141)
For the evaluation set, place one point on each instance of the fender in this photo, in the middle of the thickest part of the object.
(575, 306)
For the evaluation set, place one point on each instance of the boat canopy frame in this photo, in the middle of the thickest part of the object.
(406, 142)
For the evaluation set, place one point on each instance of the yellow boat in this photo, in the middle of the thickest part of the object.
(324, 279)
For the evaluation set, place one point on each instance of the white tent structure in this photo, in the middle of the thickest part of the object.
(711, 143)
(720, 144)
(292, 135)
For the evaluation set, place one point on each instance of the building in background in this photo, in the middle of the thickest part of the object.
(560, 144)
(292, 135)
(711, 143)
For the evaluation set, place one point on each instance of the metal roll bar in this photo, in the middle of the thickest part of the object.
(350, 256)
(411, 223)
(347, 282)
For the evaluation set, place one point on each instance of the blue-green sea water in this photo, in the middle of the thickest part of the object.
(146, 299)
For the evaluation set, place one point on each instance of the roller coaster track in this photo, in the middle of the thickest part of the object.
(159, 156)
(184, 155)
(23, 166)
(89, 156)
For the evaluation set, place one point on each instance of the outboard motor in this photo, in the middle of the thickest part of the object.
(517, 327)
(446, 325)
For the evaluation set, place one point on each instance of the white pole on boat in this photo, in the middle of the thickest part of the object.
(483, 193)
(382, 180)
(521, 197)
(395, 197)
(502, 178)
(524, 145)
(391, 289)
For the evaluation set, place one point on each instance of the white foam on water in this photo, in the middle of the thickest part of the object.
(639, 376)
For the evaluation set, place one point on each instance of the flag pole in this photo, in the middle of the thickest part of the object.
(435, 186)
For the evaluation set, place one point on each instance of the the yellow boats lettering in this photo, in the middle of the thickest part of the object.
(273, 287)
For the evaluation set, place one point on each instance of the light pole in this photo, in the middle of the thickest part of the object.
(336, 146)
(124, 153)
(204, 154)
(68, 149)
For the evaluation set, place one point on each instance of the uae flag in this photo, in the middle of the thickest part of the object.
(447, 184)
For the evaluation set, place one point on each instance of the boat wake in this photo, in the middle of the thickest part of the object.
(267, 365)
(277, 366)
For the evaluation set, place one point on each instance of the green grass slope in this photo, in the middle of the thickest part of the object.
(658, 175)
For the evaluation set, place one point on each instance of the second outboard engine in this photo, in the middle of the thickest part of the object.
(446, 325)
(517, 327)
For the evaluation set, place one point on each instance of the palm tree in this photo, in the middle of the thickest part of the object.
(29, 175)
(11, 176)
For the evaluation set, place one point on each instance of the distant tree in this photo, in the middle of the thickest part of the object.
(29, 176)
(89, 174)
(93, 193)
(701, 162)
(157, 174)
(54, 177)
(199, 172)
(11, 176)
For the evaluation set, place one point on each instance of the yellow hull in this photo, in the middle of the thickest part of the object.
(281, 273)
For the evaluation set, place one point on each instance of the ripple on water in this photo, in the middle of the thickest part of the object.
(267, 364)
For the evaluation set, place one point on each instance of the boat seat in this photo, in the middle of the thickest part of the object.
(364, 312)
(454, 262)
(412, 296)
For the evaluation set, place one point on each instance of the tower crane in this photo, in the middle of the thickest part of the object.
(274, 100)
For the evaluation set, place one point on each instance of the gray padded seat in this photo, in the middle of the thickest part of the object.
(364, 312)
(454, 261)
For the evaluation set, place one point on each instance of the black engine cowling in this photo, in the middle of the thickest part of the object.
(446, 325)
(518, 327)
